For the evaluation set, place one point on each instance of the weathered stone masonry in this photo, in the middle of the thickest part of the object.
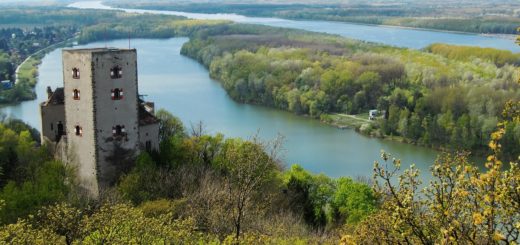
(103, 123)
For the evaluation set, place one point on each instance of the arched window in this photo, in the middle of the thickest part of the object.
(75, 73)
(117, 94)
(118, 130)
(78, 130)
(75, 94)
(116, 72)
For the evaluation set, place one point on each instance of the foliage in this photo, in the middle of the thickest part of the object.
(24, 233)
(248, 168)
(30, 179)
(6, 68)
(324, 201)
(169, 125)
(353, 200)
(232, 191)
(440, 99)
(461, 204)
(465, 53)
(144, 26)
(124, 224)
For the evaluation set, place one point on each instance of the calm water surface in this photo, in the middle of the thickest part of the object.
(182, 86)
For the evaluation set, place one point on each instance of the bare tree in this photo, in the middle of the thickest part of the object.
(249, 166)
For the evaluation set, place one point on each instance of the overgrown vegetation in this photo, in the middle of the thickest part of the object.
(460, 205)
(208, 189)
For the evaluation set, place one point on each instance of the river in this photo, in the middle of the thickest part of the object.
(183, 87)
(395, 36)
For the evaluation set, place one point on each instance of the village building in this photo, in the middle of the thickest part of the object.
(97, 121)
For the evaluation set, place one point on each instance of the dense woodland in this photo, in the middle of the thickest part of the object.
(208, 189)
(474, 16)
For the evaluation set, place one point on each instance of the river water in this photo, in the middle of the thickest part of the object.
(183, 87)
(395, 36)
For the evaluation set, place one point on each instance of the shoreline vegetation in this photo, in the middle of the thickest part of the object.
(26, 74)
(417, 16)
(439, 97)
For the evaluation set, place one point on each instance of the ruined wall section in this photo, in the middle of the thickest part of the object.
(149, 134)
(52, 116)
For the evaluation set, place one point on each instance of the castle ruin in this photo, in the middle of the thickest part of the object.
(97, 118)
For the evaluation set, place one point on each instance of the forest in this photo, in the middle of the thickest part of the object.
(208, 189)
(443, 97)
(190, 176)
(473, 16)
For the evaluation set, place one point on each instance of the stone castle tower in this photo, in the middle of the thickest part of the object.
(97, 118)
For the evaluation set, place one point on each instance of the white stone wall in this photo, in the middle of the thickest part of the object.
(110, 113)
(80, 112)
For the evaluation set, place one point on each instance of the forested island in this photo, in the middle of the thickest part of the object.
(461, 16)
(210, 189)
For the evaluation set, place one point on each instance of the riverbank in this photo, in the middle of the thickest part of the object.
(423, 27)
(309, 12)
(34, 60)
(343, 121)
(26, 76)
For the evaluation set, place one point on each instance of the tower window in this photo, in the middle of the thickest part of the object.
(78, 130)
(148, 145)
(116, 72)
(118, 130)
(75, 73)
(75, 94)
(117, 94)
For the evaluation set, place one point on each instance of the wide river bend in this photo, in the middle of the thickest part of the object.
(183, 87)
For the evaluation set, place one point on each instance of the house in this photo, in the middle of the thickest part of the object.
(96, 120)
(6, 84)
(373, 114)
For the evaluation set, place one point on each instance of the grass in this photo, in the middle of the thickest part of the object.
(347, 121)
(29, 71)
